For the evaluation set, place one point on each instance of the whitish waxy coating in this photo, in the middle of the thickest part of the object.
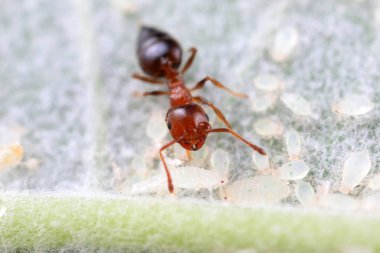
(3, 210)
(297, 104)
(261, 161)
(139, 166)
(353, 105)
(371, 202)
(156, 127)
(267, 83)
(269, 127)
(11, 156)
(285, 43)
(11, 135)
(356, 167)
(220, 162)
(305, 193)
(338, 201)
(293, 144)
(293, 170)
(374, 183)
(258, 190)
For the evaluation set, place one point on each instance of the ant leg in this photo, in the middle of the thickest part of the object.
(202, 82)
(147, 79)
(151, 93)
(227, 130)
(169, 177)
(188, 154)
(214, 108)
(189, 60)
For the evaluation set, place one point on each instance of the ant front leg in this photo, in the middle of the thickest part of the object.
(147, 79)
(214, 108)
(228, 130)
(168, 176)
(189, 61)
(202, 83)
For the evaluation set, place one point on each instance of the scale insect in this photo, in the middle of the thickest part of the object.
(160, 56)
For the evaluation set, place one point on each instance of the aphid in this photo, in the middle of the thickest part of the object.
(355, 169)
(160, 56)
(297, 104)
(220, 162)
(293, 170)
(262, 102)
(192, 178)
(293, 144)
(285, 43)
(267, 83)
(261, 161)
(353, 105)
(305, 193)
(269, 127)
(258, 190)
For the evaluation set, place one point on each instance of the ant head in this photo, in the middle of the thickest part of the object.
(188, 125)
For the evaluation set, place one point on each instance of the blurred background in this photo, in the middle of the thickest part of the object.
(66, 90)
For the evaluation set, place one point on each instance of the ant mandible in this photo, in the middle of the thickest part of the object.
(160, 56)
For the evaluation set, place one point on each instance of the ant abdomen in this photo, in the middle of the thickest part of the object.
(153, 47)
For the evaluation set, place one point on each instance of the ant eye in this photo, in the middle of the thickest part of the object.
(208, 119)
(169, 125)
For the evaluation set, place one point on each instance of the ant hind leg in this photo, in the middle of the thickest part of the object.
(218, 84)
(150, 93)
(147, 79)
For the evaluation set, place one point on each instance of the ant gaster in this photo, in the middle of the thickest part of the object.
(160, 56)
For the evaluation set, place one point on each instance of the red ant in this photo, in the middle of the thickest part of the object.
(160, 56)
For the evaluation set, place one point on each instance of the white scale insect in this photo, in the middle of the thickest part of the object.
(293, 170)
(268, 83)
(285, 43)
(293, 144)
(269, 127)
(353, 105)
(355, 169)
(192, 178)
(261, 161)
(305, 193)
(262, 102)
(220, 162)
(297, 104)
(259, 190)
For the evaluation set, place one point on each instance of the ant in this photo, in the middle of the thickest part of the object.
(160, 56)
